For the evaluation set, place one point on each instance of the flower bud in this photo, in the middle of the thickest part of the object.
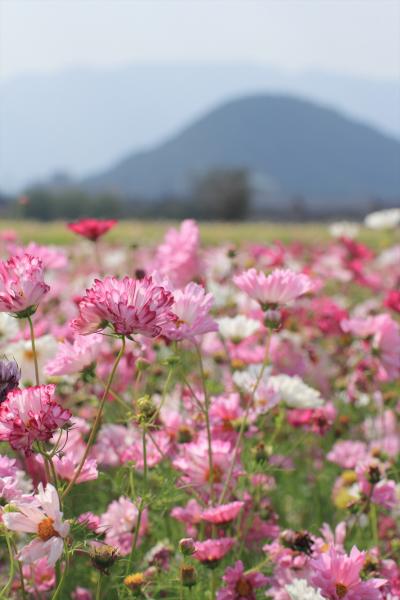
(187, 546)
(146, 409)
(188, 576)
(135, 581)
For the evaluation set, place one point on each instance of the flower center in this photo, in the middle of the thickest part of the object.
(46, 529)
(244, 587)
(341, 590)
(214, 476)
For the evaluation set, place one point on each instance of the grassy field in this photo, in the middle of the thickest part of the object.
(148, 233)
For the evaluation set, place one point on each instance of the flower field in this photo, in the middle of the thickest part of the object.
(192, 418)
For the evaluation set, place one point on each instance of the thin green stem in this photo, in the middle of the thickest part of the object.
(97, 420)
(98, 587)
(60, 584)
(208, 426)
(374, 524)
(7, 587)
(213, 584)
(35, 360)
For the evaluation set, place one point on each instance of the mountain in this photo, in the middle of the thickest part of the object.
(292, 146)
(80, 119)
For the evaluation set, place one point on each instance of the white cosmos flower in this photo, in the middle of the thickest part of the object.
(346, 229)
(21, 352)
(383, 219)
(294, 392)
(300, 590)
(237, 328)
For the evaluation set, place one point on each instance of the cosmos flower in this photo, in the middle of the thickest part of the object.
(239, 585)
(21, 285)
(237, 328)
(10, 374)
(178, 256)
(92, 229)
(299, 589)
(130, 306)
(210, 552)
(42, 517)
(280, 287)
(118, 524)
(191, 306)
(223, 513)
(73, 357)
(294, 392)
(338, 576)
(30, 415)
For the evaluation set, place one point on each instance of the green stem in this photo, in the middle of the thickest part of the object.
(6, 588)
(208, 426)
(374, 524)
(98, 587)
(21, 575)
(96, 422)
(35, 360)
(141, 505)
(213, 585)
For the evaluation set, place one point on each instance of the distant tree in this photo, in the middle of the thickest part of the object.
(222, 194)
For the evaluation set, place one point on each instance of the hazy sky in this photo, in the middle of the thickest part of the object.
(361, 37)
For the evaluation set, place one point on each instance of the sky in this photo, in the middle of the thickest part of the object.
(358, 37)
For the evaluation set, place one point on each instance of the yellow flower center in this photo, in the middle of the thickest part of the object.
(341, 590)
(134, 581)
(46, 529)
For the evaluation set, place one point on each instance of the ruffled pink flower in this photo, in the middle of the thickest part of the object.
(240, 586)
(130, 306)
(280, 287)
(39, 576)
(210, 552)
(347, 454)
(42, 517)
(21, 284)
(178, 257)
(30, 415)
(119, 522)
(192, 306)
(337, 575)
(73, 357)
(225, 513)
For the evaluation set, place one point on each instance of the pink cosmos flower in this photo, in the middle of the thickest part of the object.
(51, 256)
(92, 229)
(30, 415)
(39, 576)
(119, 523)
(210, 552)
(347, 454)
(337, 575)
(223, 513)
(130, 306)
(177, 258)
(192, 306)
(190, 515)
(280, 287)
(240, 586)
(81, 593)
(73, 357)
(42, 517)
(21, 284)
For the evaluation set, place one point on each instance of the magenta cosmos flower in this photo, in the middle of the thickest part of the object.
(21, 285)
(337, 575)
(42, 517)
(92, 229)
(280, 287)
(129, 305)
(210, 552)
(223, 513)
(240, 586)
(30, 415)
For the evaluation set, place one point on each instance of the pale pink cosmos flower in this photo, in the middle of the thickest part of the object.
(347, 454)
(192, 306)
(280, 287)
(130, 306)
(119, 522)
(178, 256)
(337, 575)
(21, 284)
(211, 552)
(73, 357)
(42, 517)
(52, 257)
(30, 415)
(225, 513)
(240, 585)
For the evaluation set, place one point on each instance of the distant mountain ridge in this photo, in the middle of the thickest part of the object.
(293, 146)
(79, 120)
